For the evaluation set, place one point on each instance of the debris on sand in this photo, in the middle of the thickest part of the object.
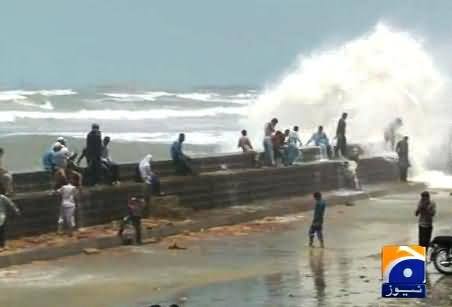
(91, 251)
(175, 246)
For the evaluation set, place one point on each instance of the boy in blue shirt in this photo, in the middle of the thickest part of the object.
(317, 221)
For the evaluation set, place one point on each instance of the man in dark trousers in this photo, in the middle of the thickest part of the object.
(404, 162)
(93, 154)
(341, 139)
(317, 220)
(135, 208)
(426, 210)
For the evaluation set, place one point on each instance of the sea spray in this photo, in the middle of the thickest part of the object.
(377, 77)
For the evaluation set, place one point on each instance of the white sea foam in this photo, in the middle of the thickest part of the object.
(240, 98)
(130, 97)
(45, 106)
(193, 138)
(375, 78)
(10, 116)
(22, 94)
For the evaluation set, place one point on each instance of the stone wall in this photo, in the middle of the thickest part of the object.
(236, 186)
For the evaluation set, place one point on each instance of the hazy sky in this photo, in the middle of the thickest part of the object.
(180, 43)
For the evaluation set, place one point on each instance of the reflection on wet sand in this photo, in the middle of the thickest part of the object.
(316, 262)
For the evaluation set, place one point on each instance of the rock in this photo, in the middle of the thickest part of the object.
(91, 251)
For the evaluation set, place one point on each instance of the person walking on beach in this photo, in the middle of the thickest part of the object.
(268, 143)
(180, 160)
(317, 221)
(404, 162)
(340, 136)
(426, 210)
(5, 205)
(93, 154)
(68, 193)
(135, 208)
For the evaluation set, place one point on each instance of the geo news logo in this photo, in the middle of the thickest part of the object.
(403, 271)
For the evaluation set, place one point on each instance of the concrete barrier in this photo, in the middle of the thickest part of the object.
(217, 188)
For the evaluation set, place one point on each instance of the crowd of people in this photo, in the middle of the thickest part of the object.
(284, 147)
(279, 148)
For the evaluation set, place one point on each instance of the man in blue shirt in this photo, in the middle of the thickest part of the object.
(180, 160)
(317, 221)
(320, 139)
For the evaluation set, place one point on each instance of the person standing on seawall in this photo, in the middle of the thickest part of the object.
(268, 144)
(404, 162)
(340, 136)
(93, 154)
(426, 210)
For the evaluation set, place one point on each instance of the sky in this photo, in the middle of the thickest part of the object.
(184, 44)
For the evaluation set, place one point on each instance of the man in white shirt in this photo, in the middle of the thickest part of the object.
(293, 145)
(269, 129)
(150, 179)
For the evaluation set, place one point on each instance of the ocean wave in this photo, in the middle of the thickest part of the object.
(193, 138)
(47, 105)
(240, 98)
(129, 97)
(11, 116)
(15, 95)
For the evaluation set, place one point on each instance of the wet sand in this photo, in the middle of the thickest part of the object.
(256, 264)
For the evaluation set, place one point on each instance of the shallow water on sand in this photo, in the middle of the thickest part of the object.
(246, 265)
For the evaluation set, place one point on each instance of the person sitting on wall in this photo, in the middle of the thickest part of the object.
(5, 204)
(293, 144)
(245, 144)
(278, 142)
(150, 179)
(60, 164)
(108, 165)
(135, 209)
(180, 160)
(6, 178)
(321, 140)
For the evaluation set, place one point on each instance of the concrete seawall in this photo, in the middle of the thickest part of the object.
(214, 188)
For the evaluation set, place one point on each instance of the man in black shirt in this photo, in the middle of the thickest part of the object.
(341, 144)
(93, 154)
(404, 161)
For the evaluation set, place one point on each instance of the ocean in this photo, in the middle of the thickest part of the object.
(138, 122)
(147, 70)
